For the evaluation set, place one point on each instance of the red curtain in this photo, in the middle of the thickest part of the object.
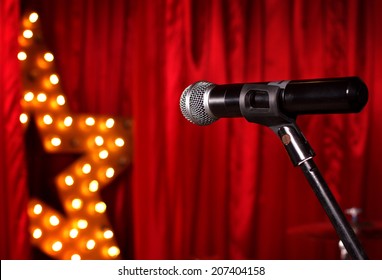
(226, 191)
(14, 240)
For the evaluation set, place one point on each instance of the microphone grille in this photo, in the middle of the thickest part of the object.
(192, 104)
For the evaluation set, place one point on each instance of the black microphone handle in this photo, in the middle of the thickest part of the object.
(325, 96)
(321, 96)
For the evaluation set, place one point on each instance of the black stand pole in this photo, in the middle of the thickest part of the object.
(328, 202)
(301, 155)
(260, 104)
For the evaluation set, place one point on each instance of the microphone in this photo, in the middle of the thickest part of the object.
(203, 103)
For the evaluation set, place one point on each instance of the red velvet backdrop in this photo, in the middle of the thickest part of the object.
(14, 241)
(226, 191)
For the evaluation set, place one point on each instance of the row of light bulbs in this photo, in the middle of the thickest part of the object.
(56, 244)
(84, 232)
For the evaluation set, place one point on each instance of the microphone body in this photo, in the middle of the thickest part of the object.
(203, 103)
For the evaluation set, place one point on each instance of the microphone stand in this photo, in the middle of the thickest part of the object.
(301, 154)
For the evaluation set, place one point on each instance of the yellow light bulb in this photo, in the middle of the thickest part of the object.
(57, 246)
(47, 119)
(82, 224)
(33, 17)
(48, 57)
(37, 209)
(89, 121)
(22, 56)
(113, 251)
(75, 257)
(119, 142)
(69, 181)
(86, 168)
(76, 203)
(54, 220)
(109, 172)
(28, 34)
(53, 79)
(93, 186)
(60, 100)
(23, 118)
(73, 233)
(55, 141)
(109, 123)
(37, 233)
(68, 121)
(100, 207)
(107, 234)
(90, 244)
(28, 97)
(98, 140)
(41, 97)
(103, 154)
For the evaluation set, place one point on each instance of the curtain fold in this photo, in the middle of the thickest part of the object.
(229, 190)
(14, 236)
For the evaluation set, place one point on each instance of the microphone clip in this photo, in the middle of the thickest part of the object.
(260, 105)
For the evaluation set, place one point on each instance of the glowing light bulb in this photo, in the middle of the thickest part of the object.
(82, 224)
(33, 17)
(28, 34)
(69, 181)
(86, 168)
(119, 142)
(41, 97)
(93, 186)
(75, 257)
(98, 140)
(57, 246)
(60, 100)
(109, 172)
(37, 233)
(28, 97)
(48, 57)
(89, 121)
(53, 79)
(68, 121)
(90, 244)
(54, 220)
(100, 207)
(109, 123)
(23, 118)
(73, 233)
(103, 154)
(76, 203)
(47, 119)
(113, 251)
(22, 56)
(55, 141)
(37, 209)
(107, 234)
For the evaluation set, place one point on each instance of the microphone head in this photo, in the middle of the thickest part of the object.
(194, 103)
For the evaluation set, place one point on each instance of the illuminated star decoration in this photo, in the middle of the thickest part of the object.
(105, 143)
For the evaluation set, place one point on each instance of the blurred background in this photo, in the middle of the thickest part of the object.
(224, 191)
